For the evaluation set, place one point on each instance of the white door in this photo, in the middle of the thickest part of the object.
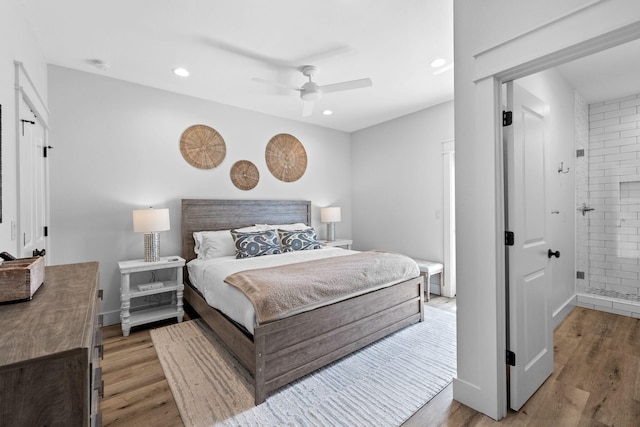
(530, 332)
(32, 182)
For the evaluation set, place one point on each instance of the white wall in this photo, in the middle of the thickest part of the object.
(551, 87)
(19, 44)
(497, 38)
(117, 149)
(397, 183)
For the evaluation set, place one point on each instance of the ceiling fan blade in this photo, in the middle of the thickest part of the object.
(319, 56)
(276, 84)
(330, 52)
(352, 84)
(307, 108)
(256, 56)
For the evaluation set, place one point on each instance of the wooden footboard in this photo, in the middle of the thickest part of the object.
(288, 349)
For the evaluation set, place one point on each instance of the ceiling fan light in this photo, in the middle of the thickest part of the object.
(310, 92)
(310, 96)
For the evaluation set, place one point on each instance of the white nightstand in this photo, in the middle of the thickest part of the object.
(346, 243)
(175, 309)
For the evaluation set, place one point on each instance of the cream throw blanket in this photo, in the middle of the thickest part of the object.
(279, 292)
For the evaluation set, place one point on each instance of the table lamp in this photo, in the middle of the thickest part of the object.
(150, 222)
(330, 215)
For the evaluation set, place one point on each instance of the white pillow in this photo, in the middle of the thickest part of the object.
(197, 238)
(213, 244)
(254, 228)
(298, 226)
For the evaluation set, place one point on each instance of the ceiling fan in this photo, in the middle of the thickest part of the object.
(311, 91)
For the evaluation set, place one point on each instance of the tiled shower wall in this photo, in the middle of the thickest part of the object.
(613, 227)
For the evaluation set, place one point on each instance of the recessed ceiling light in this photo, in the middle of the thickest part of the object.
(441, 70)
(182, 72)
(437, 63)
(327, 112)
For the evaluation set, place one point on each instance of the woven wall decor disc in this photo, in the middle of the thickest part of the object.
(244, 175)
(286, 157)
(202, 147)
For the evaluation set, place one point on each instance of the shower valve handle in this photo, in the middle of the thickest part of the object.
(552, 253)
(584, 209)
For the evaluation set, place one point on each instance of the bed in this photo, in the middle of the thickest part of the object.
(284, 350)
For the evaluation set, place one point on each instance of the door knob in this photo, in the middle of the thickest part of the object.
(555, 254)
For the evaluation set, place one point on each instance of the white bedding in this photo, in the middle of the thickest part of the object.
(208, 275)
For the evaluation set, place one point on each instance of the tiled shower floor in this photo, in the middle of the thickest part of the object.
(609, 301)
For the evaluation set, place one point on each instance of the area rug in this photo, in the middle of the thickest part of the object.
(382, 384)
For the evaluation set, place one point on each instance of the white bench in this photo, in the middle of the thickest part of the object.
(428, 269)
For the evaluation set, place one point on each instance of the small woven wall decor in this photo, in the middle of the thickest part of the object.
(286, 157)
(244, 175)
(202, 147)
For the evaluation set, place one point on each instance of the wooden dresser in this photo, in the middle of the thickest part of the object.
(49, 352)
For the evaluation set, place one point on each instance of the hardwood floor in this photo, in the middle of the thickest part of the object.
(443, 303)
(136, 392)
(596, 381)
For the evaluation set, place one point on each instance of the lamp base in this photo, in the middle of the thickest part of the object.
(151, 247)
(331, 232)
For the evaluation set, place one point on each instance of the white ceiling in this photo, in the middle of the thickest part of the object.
(610, 74)
(226, 43)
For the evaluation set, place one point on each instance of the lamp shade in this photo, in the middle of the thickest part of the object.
(330, 214)
(150, 220)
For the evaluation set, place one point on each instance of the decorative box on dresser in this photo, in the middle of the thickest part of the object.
(50, 349)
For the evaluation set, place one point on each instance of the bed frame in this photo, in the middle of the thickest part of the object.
(285, 350)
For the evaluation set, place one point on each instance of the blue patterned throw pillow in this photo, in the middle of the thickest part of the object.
(255, 243)
(298, 240)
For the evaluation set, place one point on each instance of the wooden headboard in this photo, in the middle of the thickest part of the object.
(211, 215)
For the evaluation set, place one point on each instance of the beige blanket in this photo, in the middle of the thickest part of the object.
(279, 292)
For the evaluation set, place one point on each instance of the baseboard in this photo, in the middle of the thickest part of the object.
(110, 318)
(560, 314)
(472, 396)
